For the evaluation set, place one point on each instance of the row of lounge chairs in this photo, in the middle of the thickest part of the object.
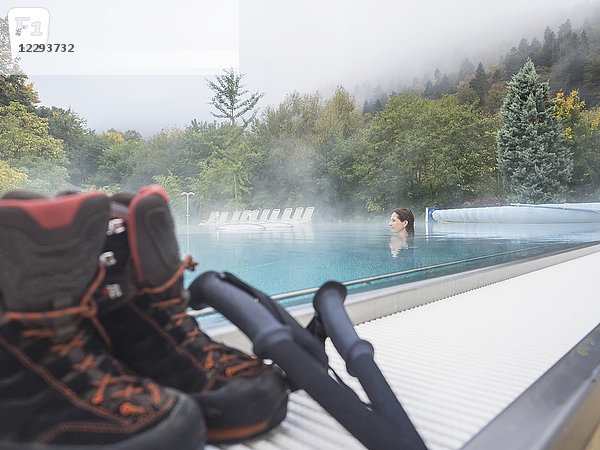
(257, 219)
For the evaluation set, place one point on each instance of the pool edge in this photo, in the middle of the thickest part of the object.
(366, 306)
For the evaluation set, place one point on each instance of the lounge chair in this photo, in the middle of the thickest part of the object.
(212, 219)
(297, 214)
(253, 217)
(306, 218)
(274, 215)
(264, 215)
(277, 224)
(223, 218)
(247, 222)
(245, 215)
(287, 215)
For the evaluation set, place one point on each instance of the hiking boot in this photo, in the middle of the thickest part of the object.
(59, 386)
(145, 314)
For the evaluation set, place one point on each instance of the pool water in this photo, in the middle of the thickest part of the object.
(306, 256)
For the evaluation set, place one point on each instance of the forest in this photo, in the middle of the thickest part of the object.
(434, 143)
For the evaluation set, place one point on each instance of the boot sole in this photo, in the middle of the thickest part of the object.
(233, 435)
(182, 429)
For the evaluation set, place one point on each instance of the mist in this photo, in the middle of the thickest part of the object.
(313, 45)
(306, 46)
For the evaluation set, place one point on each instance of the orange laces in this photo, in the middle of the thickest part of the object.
(126, 408)
(87, 309)
(187, 264)
(217, 355)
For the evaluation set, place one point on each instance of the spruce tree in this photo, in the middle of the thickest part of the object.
(535, 164)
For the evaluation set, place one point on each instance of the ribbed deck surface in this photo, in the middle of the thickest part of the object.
(458, 362)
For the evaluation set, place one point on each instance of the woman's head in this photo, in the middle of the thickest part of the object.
(402, 220)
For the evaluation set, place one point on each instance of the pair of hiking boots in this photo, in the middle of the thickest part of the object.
(96, 347)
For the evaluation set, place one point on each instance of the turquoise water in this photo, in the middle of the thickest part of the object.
(306, 256)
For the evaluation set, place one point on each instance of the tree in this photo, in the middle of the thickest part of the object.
(480, 84)
(117, 163)
(532, 158)
(535, 51)
(466, 95)
(586, 171)
(23, 134)
(79, 143)
(229, 97)
(549, 48)
(466, 68)
(174, 186)
(339, 120)
(422, 152)
(13, 86)
(494, 99)
(26, 146)
(222, 178)
(10, 178)
(581, 129)
(286, 140)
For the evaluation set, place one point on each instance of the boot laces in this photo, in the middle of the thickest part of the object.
(87, 309)
(219, 358)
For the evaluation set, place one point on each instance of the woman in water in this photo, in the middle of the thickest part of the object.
(402, 224)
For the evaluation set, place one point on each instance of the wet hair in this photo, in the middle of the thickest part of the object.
(406, 214)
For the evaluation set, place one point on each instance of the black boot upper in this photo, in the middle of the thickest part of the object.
(58, 383)
(153, 333)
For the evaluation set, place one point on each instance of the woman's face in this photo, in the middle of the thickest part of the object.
(397, 225)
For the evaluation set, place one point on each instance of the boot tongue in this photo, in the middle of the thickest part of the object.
(49, 251)
(152, 238)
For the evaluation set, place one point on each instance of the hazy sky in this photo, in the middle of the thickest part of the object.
(142, 64)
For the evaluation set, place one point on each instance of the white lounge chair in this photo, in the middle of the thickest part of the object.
(276, 224)
(223, 218)
(274, 215)
(297, 214)
(306, 218)
(286, 216)
(253, 217)
(264, 215)
(248, 221)
(245, 215)
(212, 219)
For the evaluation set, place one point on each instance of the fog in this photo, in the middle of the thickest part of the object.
(283, 46)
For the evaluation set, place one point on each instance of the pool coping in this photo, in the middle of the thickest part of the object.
(366, 306)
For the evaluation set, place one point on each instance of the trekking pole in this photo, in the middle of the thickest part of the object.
(254, 312)
(274, 337)
(358, 355)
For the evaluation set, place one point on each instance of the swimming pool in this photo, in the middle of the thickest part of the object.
(283, 261)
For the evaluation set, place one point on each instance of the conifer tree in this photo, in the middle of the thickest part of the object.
(480, 84)
(230, 97)
(535, 164)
